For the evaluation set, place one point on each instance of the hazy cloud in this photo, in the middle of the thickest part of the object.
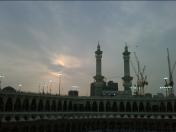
(39, 38)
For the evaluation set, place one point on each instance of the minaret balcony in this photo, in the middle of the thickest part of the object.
(98, 52)
(99, 78)
(127, 78)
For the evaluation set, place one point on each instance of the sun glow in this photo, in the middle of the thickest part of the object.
(60, 62)
(54, 73)
(67, 61)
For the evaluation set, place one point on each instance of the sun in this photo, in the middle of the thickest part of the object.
(61, 62)
(67, 61)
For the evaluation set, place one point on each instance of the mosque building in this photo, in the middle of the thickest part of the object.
(100, 88)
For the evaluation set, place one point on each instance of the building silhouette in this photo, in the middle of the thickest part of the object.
(99, 87)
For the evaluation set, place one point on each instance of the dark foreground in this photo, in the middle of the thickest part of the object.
(92, 125)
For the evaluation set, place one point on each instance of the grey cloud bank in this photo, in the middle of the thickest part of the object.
(35, 34)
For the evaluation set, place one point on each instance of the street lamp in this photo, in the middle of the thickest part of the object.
(74, 87)
(1, 76)
(19, 85)
(166, 85)
(50, 85)
(134, 89)
(166, 78)
(59, 74)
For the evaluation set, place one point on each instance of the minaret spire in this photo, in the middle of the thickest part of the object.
(126, 47)
(98, 55)
(127, 78)
(98, 46)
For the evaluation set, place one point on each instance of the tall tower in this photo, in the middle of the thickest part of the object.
(99, 84)
(98, 54)
(127, 78)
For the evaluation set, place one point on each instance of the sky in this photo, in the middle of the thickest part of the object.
(40, 39)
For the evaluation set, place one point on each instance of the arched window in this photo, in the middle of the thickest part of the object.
(174, 106)
(17, 105)
(65, 106)
(59, 106)
(122, 107)
(135, 107)
(40, 105)
(108, 106)
(1, 105)
(169, 107)
(47, 105)
(114, 107)
(26, 105)
(70, 106)
(141, 107)
(81, 107)
(162, 107)
(148, 107)
(53, 106)
(75, 107)
(101, 107)
(94, 106)
(8, 106)
(155, 108)
(33, 105)
(88, 107)
(128, 107)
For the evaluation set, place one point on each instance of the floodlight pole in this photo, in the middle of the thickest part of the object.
(0, 83)
(1, 76)
(166, 85)
(19, 87)
(59, 74)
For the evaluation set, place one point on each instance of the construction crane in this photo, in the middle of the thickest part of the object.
(170, 84)
(137, 75)
(143, 80)
(141, 77)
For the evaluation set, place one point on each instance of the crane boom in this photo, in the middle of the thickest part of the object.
(142, 73)
(138, 64)
(143, 70)
(134, 69)
(173, 68)
(170, 73)
(141, 78)
(169, 65)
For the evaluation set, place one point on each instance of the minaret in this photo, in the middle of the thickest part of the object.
(98, 85)
(127, 78)
(98, 54)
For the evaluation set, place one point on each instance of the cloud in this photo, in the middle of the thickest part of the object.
(39, 38)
